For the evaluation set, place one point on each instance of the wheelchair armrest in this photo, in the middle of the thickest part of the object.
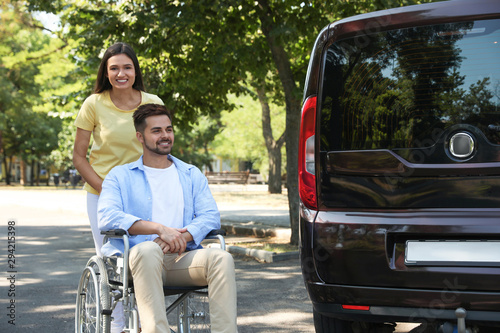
(114, 233)
(213, 234)
(120, 232)
(219, 235)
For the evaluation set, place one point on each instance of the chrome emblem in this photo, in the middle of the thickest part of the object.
(461, 145)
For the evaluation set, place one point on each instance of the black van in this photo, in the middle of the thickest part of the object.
(399, 170)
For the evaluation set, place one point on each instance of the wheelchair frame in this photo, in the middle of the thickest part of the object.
(99, 292)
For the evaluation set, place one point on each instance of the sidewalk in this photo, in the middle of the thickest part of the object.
(249, 210)
(249, 214)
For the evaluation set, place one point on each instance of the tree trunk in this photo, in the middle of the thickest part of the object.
(38, 166)
(7, 167)
(208, 165)
(274, 185)
(32, 174)
(22, 181)
(291, 92)
(2, 154)
(273, 147)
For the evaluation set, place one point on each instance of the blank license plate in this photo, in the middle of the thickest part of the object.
(452, 253)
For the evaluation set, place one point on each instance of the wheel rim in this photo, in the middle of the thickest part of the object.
(88, 305)
(93, 298)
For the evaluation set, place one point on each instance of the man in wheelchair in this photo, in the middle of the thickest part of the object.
(167, 209)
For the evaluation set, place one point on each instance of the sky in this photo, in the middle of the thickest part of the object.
(49, 21)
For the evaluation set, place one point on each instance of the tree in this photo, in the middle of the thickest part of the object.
(193, 143)
(39, 140)
(241, 133)
(273, 146)
(19, 54)
(34, 69)
(197, 52)
(61, 157)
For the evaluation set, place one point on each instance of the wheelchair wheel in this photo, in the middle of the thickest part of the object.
(93, 311)
(192, 314)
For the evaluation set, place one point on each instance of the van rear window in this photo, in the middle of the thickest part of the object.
(403, 88)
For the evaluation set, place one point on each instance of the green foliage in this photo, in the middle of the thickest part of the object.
(241, 134)
(193, 145)
(36, 86)
(39, 137)
(193, 53)
(61, 158)
(197, 52)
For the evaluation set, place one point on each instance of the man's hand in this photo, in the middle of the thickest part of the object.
(171, 240)
(163, 245)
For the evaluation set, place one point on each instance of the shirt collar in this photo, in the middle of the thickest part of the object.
(139, 164)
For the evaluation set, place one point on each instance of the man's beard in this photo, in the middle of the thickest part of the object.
(158, 150)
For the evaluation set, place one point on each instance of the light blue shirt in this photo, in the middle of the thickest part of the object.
(126, 198)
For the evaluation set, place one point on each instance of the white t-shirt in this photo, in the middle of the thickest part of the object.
(168, 198)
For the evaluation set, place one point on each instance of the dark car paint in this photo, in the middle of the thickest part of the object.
(354, 253)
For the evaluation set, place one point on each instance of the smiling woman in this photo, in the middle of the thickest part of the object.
(107, 116)
(121, 75)
(121, 71)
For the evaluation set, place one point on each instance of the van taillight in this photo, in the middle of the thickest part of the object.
(356, 307)
(307, 178)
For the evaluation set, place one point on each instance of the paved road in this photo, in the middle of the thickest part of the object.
(53, 243)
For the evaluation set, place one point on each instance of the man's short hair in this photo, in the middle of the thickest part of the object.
(147, 110)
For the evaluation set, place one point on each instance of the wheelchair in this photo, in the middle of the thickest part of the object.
(106, 281)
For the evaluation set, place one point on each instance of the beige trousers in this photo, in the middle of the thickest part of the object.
(151, 269)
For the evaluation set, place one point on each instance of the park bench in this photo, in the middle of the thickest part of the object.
(227, 177)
